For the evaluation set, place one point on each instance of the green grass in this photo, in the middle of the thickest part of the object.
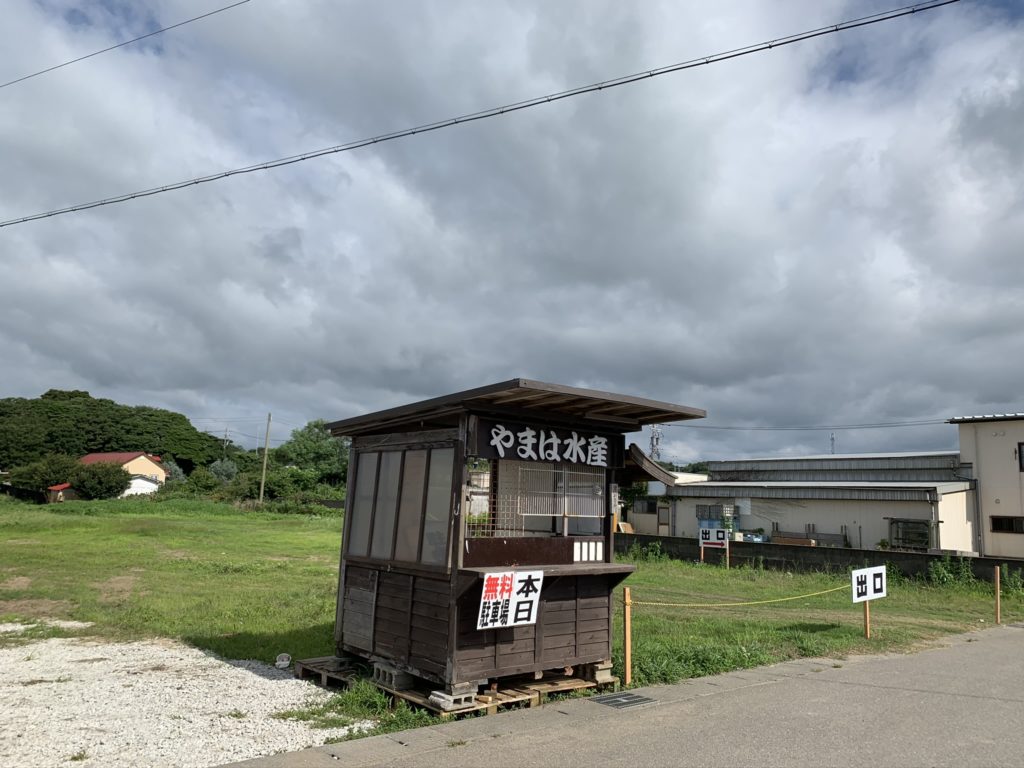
(241, 584)
(256, 584)
(362, 703)
(673, 643)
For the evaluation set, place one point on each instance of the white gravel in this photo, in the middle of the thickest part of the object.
(155, 703)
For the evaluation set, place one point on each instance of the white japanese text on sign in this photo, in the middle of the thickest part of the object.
(531, 444)
(868, 583)
(510, 599)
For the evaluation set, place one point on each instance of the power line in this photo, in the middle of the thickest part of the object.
(819, 427)
(121, 45)
(497, 111)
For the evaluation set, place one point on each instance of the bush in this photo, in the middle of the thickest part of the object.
(40, 475)
(224, 470)
(103, 480)
(202, 480)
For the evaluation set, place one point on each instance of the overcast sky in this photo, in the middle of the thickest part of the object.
(826, 233)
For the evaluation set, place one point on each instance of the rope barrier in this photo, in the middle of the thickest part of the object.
(729, 605)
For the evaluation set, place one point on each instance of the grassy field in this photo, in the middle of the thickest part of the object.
(252, 585)
(241, 584)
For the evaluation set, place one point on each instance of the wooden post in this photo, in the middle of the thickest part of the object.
(727, 555)
(627, 639)
(867, 619)
(702, 554)
(999, 612)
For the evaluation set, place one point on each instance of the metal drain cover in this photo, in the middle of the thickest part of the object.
(622, 700)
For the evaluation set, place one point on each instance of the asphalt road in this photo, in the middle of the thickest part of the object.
(959, 704)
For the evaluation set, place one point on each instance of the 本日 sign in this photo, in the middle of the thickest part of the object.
(509, 599)
(714, 537)
(868, 583)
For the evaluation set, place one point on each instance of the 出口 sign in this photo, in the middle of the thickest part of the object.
(868, 583)
(523, 442)
(509, 599)
(714, 537)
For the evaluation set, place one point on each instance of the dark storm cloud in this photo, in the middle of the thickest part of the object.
(823, 234)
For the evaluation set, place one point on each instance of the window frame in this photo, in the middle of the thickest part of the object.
(1016, 524)
(403, 448)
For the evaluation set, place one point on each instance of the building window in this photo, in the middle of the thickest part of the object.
(1007, 524)
(710, 511)
(910, 534)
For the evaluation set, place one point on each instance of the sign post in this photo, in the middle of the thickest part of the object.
(868, 584)
(717, 538)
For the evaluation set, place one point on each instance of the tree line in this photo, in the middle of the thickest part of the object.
(42, 439)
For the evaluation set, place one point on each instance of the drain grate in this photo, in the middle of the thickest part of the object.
(622, 700)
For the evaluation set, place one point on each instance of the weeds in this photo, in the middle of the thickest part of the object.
(352, 708)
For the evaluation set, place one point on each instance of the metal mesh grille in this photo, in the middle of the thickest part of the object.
(528, 497)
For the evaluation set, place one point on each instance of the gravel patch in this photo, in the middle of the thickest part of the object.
(153, 703)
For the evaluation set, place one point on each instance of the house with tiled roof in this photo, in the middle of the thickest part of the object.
(139, 464)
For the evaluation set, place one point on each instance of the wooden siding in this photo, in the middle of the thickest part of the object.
(573, 627)
(401, 618)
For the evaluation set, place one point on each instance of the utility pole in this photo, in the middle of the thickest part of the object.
(832, 441)
(266, 451)
(225, 442)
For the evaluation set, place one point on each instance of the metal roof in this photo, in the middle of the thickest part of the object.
(847, 456)
(918, 491)
(989, 417)
(623, 413)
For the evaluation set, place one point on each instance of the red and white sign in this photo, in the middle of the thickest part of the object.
(714, 537)
(509, 599)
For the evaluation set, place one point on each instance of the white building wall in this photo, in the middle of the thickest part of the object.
(956, 527)
(865, 520)
(992, 447)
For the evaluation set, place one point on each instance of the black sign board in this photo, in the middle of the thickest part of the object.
(534, 442)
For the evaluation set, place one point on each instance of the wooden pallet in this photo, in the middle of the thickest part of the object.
(530, 692)
(329, 669)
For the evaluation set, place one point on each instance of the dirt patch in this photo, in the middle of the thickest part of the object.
(117, 588)
(20, 542)
(16, 582)
(39, 607)
(176, 554)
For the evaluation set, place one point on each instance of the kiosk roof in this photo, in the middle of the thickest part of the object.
(622, 412)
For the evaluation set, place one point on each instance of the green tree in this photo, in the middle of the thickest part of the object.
(224, 470)
(74, 423)
(175, 474)
(40, 475)
(102, 480)
(202, 480)
(313, 448)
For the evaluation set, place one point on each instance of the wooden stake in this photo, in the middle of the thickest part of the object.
(702, 554)
(627, 639)
(867, 619)
(999, 611)
(727, 556)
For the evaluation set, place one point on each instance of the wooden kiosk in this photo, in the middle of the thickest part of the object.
(459, 507)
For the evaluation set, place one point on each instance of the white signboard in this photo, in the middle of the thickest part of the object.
(510, 599)
(868, 583)
(714, 537)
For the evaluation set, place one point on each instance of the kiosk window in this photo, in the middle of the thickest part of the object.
(362, 504)
(439, 502)
(410, 507)
(386, 506)
(410, 491)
